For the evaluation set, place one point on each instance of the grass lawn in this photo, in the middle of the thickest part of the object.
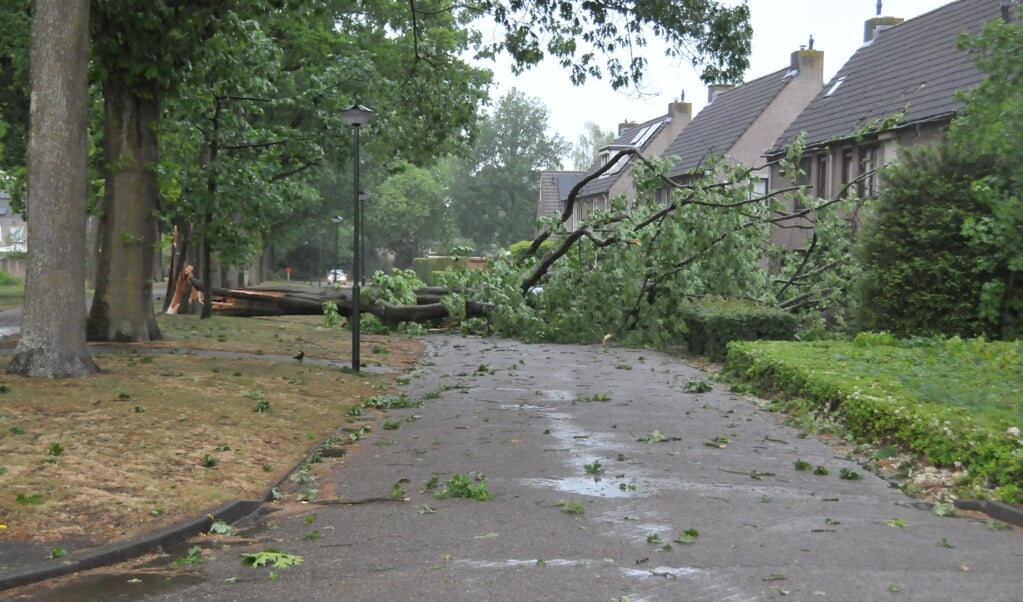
(955, 403)
(175, 428)
(11, 295)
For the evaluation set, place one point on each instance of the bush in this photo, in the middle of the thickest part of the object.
(951, 402)
(8, 279)
(427, 268)
(518, 250)
(921, 275)
(711, 325)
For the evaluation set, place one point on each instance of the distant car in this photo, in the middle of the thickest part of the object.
(337, 276)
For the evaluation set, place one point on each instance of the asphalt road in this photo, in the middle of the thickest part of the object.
(675, 495)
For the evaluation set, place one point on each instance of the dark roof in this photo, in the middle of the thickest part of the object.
(639, 136)
(717, 128)
(915, 64)
(554, 189)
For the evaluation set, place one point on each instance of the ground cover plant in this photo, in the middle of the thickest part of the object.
(12, 290)
(174, 428)
(953, 403)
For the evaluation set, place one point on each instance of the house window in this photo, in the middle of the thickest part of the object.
(663, 196)
(758, 188)
(802, 181)
(867, 186)
(847, 165)
(821, 189)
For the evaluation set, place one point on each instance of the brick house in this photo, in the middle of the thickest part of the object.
(897, 90)
(741, 122)
(650, 138)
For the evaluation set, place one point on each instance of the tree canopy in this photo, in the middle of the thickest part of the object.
(494, 189)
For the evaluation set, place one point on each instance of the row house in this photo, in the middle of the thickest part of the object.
(897, 90)
(740, 122)
(649, 138)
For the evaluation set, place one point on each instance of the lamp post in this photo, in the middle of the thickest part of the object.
(356, 116)
(337, 223)
(363, 197)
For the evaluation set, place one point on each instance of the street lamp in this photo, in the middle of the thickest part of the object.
(363, 197)
(356, 116)
(337, 219)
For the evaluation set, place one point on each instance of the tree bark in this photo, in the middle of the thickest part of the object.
(122, 307)
(52, 341)
(267, 302)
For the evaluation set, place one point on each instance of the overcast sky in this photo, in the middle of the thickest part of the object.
(779, 28)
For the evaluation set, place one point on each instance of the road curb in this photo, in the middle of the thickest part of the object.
(1006, 513)
(120, 551)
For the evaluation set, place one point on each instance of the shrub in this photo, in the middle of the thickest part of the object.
(710, 325)
(8, 279)
(921, 275)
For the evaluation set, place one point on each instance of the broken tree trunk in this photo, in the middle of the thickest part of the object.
(284, 301)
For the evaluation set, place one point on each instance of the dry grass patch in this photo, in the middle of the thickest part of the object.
(160, 437)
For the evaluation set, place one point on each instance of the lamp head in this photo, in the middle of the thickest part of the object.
(357, 115)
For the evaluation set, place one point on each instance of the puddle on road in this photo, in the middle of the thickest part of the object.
(559, 395)
(522, 406)
(589, 486)
(514, 563)
(116, 586)
(663, 571)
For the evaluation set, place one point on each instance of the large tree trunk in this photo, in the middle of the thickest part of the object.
(122, 307)
(52, 341)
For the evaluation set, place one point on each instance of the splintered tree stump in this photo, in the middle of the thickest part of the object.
(185, 285)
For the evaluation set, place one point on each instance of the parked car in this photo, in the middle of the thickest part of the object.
(337, 276)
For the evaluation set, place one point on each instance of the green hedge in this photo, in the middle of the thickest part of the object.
(711, 325)
(943, 401)
(427, 268)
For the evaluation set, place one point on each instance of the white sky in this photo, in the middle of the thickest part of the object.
(779, 28)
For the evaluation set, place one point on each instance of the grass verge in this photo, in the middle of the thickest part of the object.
(953, 403)
(172, 429)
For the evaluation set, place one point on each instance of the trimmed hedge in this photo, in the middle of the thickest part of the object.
(884, 393)
(711, 325)
(426, 268)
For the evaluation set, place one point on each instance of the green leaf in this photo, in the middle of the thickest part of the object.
(271, 557)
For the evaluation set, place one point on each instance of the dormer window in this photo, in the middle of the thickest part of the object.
(835, 86)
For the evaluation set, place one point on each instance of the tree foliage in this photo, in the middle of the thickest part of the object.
(628, 271)
(587, 147)
(991, 125)
(14, 98)
(494, 190)
(407, 214)
(713, 37)
(921, 273)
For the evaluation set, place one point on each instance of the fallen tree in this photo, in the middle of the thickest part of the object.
(624, 271)
(280, 301)
(275, 302)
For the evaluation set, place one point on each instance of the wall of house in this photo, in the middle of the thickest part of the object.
(794, 97)
(888, 146)
(14, 267)
(680, 114)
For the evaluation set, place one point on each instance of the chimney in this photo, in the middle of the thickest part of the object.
(626, 126)
(680, 111)
(872, 27)
(808, 63)
(714, 89)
